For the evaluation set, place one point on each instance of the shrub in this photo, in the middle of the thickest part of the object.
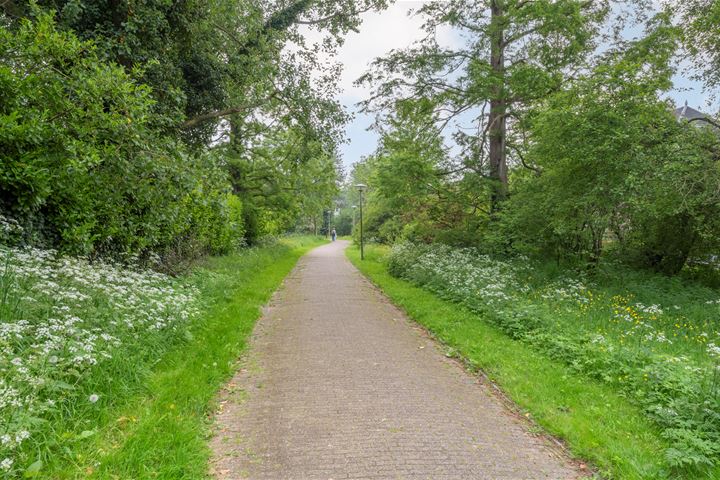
(84, 167)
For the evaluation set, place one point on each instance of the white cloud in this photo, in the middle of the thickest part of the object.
(379, 33)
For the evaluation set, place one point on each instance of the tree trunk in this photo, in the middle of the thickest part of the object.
(597, 244)
(669, 242)
(498, 107)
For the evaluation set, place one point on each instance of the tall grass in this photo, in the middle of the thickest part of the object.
(74, 336)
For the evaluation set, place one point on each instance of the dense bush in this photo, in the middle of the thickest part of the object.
(617, 168)
(83, 167)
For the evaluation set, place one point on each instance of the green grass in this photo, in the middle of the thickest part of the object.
(162, 432)
(689, 319)
(594, 420)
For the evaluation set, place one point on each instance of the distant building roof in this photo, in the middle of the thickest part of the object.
(691, 115)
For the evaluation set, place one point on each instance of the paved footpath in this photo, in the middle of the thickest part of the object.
(338, 384)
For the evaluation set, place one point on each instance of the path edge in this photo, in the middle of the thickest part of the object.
(556, 445)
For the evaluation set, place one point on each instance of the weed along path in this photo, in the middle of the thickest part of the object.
(337, 384)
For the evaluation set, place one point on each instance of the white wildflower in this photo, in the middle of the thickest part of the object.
(82, 312)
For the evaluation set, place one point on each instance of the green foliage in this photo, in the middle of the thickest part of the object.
(173, 43)
(83, 167)
(415, 192)
(701, 35)
(210, 60)
(617, 167)
(343, 222)
(289, 178)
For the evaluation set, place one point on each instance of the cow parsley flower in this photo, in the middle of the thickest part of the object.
(82, 312)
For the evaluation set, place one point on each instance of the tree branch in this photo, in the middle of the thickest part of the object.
(330, 17)
(705, 119)
(195, 121)
(514, 38)
(522, 160)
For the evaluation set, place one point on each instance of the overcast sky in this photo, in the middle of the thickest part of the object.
(391, 29)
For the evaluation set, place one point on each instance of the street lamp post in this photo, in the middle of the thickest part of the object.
(361, 188)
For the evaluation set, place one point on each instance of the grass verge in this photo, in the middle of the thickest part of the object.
(595, 421)
(162, 432)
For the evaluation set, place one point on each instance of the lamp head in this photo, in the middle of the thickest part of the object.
(361, 187)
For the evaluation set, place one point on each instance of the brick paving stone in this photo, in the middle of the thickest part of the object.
(339, 384)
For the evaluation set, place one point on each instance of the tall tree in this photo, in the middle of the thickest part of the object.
(505, 55)
(222, 59)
